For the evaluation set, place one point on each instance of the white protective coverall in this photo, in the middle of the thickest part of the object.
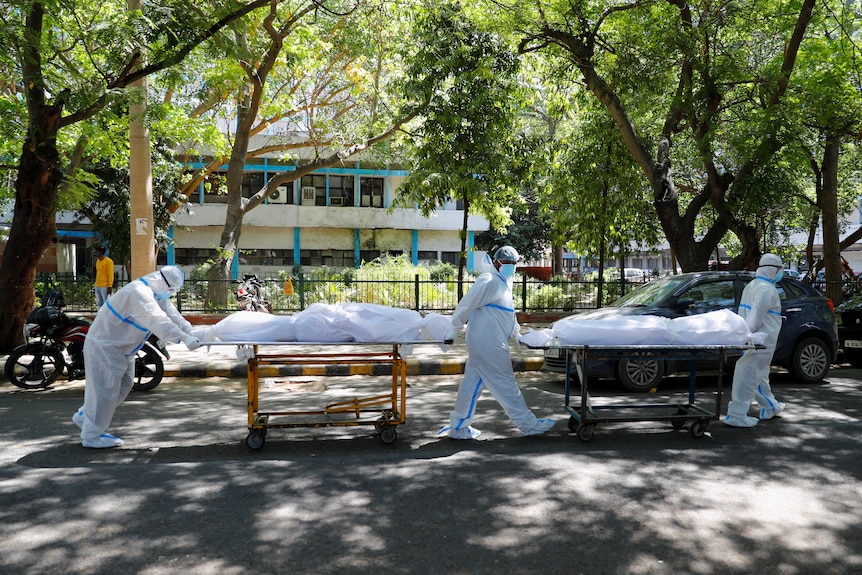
(760, 306)
(120, 329)
(489, 306)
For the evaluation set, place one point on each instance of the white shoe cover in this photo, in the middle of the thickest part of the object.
(78, 419)
(767, 413)
(104, 441)
(745, 421)
(542, 426)
(464, 433)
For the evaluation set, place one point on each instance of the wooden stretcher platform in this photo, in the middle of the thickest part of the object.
(385, 411)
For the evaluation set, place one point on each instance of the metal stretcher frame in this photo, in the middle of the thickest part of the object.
(585, 416)
(385, 411)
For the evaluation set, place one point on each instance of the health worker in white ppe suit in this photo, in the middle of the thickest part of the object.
(490, 309)
(121, 327)
(760, 306)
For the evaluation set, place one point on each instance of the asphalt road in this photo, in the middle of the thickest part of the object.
(186, 495)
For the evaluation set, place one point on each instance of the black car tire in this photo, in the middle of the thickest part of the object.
(811, 360)
(640, 374)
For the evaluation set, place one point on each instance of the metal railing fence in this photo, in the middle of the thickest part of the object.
(202, 296)
(423, 294)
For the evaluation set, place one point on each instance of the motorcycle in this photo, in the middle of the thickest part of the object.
(249, 295)
(54, 343)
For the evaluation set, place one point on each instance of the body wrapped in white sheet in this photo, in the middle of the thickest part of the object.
(347, 322)
(721, 327)
(628, 330)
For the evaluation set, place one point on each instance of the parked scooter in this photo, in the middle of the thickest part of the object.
(249, 295)
(54, 343)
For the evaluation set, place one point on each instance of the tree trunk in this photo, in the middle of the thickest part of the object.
(558, 260)
(33, 227)
(220, 272)
(601, 280)
(462, 256)
(829, 203)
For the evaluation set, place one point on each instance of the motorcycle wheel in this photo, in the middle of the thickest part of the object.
(149, 369)
(34, 366)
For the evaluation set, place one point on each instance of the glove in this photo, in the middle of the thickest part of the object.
(451, 335)
(191, 342)
(758, 338)
(517, 339)
(244, 352)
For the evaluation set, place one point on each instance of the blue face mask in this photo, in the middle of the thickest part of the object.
(507, 270)
(162, 296)
(779, 275)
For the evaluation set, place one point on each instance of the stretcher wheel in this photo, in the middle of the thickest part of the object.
(585, 433)
(698, 428)
(255, 439)
(574, 424)
(388, 434)
(678, 423)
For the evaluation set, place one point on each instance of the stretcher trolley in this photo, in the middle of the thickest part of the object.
(584, 415)
(385, 411)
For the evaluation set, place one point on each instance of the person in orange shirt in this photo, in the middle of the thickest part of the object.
(104, 276)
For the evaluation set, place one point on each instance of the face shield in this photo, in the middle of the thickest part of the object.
(165, 282)
(771, 267)
(174, 278)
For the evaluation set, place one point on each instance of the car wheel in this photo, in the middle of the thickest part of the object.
(810, 361)
(642, 375)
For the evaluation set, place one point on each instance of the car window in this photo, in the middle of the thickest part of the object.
(787, 290)
(649, 293)
(711, 295)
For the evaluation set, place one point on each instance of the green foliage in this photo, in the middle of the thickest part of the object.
(528, 232)
(548, 296)
(387, 280)
(440, 272)
(462, 80)
(78, 293)
(108, 208)
(593, 191)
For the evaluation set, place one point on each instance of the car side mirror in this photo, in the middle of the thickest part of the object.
(685, 302)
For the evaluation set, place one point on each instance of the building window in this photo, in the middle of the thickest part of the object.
(449, 258)
(252, 182)
(194, 256)
(371, 192)
(266, 257)
(330, 258)
(215, 189)
(341, 190)
(368, 255)
(427, 256)
(313, 189)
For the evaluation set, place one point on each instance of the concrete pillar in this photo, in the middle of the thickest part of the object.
(140, 180)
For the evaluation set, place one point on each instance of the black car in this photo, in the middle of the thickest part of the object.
(850, 330)
(807, 343)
